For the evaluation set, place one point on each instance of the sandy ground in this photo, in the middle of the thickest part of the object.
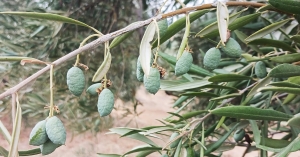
(87, 144)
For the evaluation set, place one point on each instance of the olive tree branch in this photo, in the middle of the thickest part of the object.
(112, 35)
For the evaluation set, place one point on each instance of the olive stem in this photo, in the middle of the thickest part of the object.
(82, 43)
(158, 42)
(51, 107)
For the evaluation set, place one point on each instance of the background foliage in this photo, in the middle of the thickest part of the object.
(256, 105)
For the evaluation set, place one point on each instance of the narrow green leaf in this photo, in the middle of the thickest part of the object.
(143, 148)
(180, 100)
(200, 94)
(223, 20)
(217, 144)
(103, 69)
(247, 112)
(121, 131)
(3, 152)
(289, 98)
(145, 153)
(47, 16)
(280, 89)
(266, 30)
(108, 155)
(39, 29)
(295, 121)
(215, 86)
(285, 84)
(295, 79)
(189, 115)
(275, 143)
(228, 78)
(255, 130)
(260, 84)
(159, 129)
(272, 43)
(285, 70)
(178, 149)
(118, 40)
(214, 26)
(242, 37)
(13, 151)
(288, 58)
(184, 38)
(238, 23)
(145, 48)
(289, 148)
(30, 152)
(232, 95)
(296, 38)
(5, 132)
(179, 25)
(186, 85)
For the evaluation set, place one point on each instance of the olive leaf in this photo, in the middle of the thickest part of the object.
(185, 37)
(285, 70)
(145, 48)
(266, 30)
(287, 58)
(238, 23)
(5, 133)
(228, 78)
(103, 69)
(272, 43)
(179, 25)
(48, 16)
(295, 121)
(223, 19)
(214, 26)
(280, 89)
(120, 39)
(185, 85)
(13, 150)
(247, 112)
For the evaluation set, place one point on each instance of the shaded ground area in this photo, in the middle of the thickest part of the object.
(86, 144)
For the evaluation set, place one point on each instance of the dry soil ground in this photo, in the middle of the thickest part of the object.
(87, 145)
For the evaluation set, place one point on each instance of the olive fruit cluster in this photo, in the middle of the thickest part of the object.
(76, 84)
(212, 57)
(49, 134)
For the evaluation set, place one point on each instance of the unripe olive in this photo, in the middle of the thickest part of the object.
(48, 147)
(56, 131)
(105, 102)
(152, 82)
(212, 58)
(239, 135)
(232, 48)
(93, 88)
(184, 63)
(75, 81)
(38, 135)
(260, 69)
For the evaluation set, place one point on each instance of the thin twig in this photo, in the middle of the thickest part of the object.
(13, 106)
